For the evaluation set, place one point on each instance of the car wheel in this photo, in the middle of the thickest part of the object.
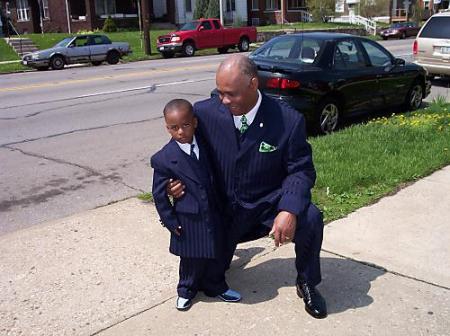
(113, 57)
(414, 97)
(385, 38)
(188, 49)
(403, 36)
(222, 50)
(57, 62)
(328, 116)
(244, 44)
(167, 54)
(96, 63)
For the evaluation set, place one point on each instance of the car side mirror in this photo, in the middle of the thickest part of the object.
(201, 28)
(399, 61)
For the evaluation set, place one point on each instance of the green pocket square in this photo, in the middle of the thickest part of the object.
(264, 147)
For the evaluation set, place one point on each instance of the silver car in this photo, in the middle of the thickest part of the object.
(78, 49)
(431, 48)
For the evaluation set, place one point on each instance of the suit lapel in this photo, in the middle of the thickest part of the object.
(229, 129)
(257, 129)
(179, 160)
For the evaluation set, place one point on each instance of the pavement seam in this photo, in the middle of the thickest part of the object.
(63, 162)
(381, 268)
(133, 315)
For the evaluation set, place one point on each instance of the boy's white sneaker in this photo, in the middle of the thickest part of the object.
(183, 304)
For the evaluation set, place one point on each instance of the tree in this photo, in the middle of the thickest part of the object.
(201, 6)
(109, 25)
(321, 9)
(213, 10)
(417, 13)
(371, 8)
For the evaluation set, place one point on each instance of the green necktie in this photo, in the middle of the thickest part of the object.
(244, 125)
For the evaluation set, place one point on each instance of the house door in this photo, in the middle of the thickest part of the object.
(36, 17)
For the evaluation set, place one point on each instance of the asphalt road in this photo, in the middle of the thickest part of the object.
(81, 138)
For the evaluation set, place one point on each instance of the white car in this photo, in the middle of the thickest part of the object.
(78, 49)
(431, 48)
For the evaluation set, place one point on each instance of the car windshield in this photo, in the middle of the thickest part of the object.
(437, 27)
(290, 49)
(64, 42)
(190, 26)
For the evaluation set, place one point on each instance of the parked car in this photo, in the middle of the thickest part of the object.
(400, 30)
(328, 76)
(431, 49)
(205, 33)
(78, 49)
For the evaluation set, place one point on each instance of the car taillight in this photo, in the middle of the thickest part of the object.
(282, 83)
(415, 47)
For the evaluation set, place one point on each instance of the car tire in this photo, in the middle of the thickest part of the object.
(113, 57)
(96, 63)
(188, 49)
(222, 50)
(167, 54)
(328, 116)
(403, 36)
(385, 38)
(244, 44)
(414, 97)
(57, 62)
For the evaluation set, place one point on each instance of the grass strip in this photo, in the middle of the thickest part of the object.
(361, 164)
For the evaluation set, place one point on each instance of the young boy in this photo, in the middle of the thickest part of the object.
(193, 220)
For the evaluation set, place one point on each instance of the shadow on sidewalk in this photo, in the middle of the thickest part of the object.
(345, 285)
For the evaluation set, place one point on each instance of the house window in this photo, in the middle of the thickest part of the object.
(105, 7)
(231, 5)
(188, 5)
(23, 10)
(78, 10)
(296, 4)
(271, 4)
(45, 11)
(255, 4)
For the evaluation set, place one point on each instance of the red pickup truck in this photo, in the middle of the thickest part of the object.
(202, 34)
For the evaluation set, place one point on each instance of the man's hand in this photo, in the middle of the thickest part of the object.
(175, 188)
(283, 228)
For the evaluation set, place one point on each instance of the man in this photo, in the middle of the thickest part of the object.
(264, 165)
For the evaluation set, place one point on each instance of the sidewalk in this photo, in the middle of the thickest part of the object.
(107, 271)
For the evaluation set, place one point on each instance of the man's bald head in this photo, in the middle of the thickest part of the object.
(245, 65)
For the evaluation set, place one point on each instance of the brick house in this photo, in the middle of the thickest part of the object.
(262, 12)
(35, 16)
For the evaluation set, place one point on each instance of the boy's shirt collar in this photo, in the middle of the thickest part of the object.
(186, 147)
(250, 115)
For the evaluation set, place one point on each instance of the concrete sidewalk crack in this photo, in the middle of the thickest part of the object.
(366, 263)
(86, 168)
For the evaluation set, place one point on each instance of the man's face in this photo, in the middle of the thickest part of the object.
(236, 90)
(181, 125)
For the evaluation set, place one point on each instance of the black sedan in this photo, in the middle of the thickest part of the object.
(328, 76)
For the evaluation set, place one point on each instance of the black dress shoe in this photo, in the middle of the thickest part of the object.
(314, 302)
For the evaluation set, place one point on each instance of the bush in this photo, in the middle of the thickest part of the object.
(109, 25)
(213, 10)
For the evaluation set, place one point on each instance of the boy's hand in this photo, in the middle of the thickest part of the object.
(175, 188)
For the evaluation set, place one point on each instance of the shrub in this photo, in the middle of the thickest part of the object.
(109, 25)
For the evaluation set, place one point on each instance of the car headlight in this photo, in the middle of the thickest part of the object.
(35, 56)
(175, 38)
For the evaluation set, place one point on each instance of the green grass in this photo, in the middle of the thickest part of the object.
(6, 52)
(362, 163)
(307, 26)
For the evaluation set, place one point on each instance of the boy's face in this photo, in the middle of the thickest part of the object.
(181, 125)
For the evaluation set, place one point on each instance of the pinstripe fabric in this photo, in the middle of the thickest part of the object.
(196, 212)
(258, 184)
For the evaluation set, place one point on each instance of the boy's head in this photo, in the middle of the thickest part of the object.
(180, 120)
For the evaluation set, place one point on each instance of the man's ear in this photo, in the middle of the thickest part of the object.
(195, 122)
(254, 83)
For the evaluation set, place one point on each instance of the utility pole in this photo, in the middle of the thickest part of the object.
(68, 18)
(146, 26)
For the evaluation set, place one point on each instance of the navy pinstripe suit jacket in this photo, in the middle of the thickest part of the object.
(259, 183)
(196, 211)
